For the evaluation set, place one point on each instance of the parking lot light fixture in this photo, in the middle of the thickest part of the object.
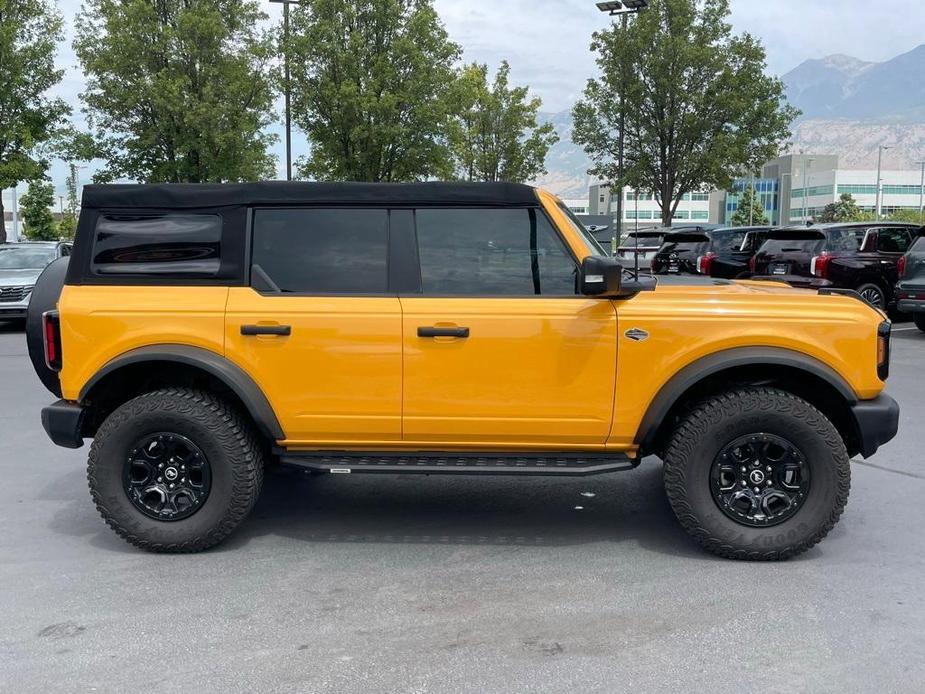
(622, 8)
(286, 82)
(880, 151)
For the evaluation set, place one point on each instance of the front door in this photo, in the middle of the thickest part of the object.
(317, 329)
(499, 350)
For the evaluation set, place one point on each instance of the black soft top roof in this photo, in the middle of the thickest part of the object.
(212, 195)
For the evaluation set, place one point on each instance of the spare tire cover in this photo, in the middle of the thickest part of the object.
(44, 298)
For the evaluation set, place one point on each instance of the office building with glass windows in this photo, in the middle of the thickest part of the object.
(641, 209)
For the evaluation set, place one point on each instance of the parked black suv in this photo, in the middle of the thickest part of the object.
(860, 256)
(723, 252)
(910, 292)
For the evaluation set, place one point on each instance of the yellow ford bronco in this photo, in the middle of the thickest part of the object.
(201, 332)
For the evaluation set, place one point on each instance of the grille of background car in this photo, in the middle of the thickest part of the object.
(10, 294)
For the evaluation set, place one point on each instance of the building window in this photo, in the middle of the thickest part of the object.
(682, 214)
(700, 197)
(700, 215)
(814, 190)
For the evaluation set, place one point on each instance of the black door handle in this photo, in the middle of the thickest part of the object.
(254, 330)
(443, 332)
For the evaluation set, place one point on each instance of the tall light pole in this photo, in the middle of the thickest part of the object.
(780, 199)
(622, 9)
(922, 192)
(880, 151)
(805, 162)
(15, 215)
(288, 90)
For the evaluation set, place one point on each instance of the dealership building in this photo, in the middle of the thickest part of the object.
(793, 189)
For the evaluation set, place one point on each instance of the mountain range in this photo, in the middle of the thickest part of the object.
(849, 107)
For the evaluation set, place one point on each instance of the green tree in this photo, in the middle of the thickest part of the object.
(178, 90)
(911, 216)
(494, 135)
(29, 119)
(38, 221)
(750, 211)
(371, 83)
(68, 224)
(696, 100)
(845, 210)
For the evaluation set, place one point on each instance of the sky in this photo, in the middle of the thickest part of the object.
(546, 41)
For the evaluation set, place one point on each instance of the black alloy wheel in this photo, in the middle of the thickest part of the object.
(760, 480)
(166, 476)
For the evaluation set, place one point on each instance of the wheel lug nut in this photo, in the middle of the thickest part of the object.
(743, 468)
(744, 483)
(171, 486)
(768, 468)
(160, 479)
(757, 490)
(768, 483)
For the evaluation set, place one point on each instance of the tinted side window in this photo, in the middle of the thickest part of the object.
(175, 245)
(489, 252)
(893, 240)
(321, 251)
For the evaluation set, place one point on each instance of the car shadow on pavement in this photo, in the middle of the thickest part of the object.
(447, 510)
(433, 510)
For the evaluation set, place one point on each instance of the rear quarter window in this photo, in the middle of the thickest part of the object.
(845, 240)
(169, 245)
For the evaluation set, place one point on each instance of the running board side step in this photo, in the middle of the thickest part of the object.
(556, 465)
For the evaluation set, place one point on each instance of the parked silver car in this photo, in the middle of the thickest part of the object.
(20, 266)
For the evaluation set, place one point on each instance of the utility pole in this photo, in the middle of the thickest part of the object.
(287, 83)
(623, 8)
(880, 151)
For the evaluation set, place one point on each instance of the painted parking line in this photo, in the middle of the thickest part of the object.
(902, 330)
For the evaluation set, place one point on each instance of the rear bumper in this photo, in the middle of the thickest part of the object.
(62, 422)
(911, 305)
(910, 298)
(876, 423)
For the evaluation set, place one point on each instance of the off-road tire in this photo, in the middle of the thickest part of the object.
(713, 424)
(225, 437)
(919, 319)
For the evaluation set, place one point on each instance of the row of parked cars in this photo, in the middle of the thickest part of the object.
(884, 262)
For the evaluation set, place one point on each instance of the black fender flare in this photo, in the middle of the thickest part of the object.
(45, 295)
(692, 374)
(235, 378)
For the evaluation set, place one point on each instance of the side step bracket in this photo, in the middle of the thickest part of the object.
(525, 464)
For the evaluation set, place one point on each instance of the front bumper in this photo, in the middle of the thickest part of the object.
(63, 422)
(876, 422)
(10, 311)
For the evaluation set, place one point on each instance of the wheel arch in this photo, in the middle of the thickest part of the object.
(150, 368)
(804, 376)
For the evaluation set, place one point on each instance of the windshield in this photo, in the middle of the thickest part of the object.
(728, 241)
(23, 258)
(590, 241)
(649, 240)
(682, 242)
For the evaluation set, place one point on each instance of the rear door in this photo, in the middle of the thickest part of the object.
(318, 329)
(500, 352)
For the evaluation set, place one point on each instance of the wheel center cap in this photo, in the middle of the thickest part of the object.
(171, 473)
(756, 477)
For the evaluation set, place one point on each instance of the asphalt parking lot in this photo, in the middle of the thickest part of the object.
(408, 584)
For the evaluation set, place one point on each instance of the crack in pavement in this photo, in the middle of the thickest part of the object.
(889, 469)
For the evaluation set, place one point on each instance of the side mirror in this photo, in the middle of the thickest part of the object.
(601, 276)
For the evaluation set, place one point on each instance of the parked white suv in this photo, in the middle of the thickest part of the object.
(20, 266)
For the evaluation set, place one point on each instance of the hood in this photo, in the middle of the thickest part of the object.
(19, 278)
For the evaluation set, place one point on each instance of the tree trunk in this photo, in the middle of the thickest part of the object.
(2, 222)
